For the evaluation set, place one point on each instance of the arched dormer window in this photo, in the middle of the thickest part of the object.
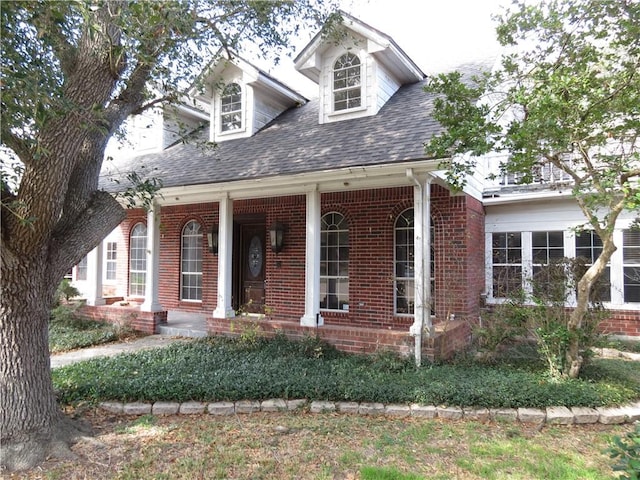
(231, 108)
(347, 90)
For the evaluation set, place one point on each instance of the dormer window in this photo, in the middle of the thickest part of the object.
(231, 108)
(347, 91)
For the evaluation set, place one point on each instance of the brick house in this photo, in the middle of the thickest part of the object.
(325, 217)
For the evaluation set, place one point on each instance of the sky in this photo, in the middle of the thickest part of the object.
(435, 34)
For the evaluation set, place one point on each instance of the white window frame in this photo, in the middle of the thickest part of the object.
(593, 249)
(109, 260)
(82, 269)
(338, 278)
(137, 254)
(408, 279)
(629, 254)
(347, 88)
(507, 263)
(239, 110)
(191, 240)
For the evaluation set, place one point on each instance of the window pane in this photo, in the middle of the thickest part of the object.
(191, 275)
(138, 260)
(334, 262)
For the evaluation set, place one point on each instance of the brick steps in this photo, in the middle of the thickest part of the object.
(551, 415)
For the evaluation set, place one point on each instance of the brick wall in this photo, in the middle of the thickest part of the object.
(172, 221)
(623, 323)
(371, 216)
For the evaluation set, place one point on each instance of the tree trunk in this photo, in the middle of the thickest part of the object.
(573, 357)
(32, 424)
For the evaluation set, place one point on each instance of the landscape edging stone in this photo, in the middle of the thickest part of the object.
(556, 415)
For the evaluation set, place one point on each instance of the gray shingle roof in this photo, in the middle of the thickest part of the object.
(295, 143)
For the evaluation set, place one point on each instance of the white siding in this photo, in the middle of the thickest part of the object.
(386, 84)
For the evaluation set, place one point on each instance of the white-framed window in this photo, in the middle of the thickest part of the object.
(404, 266)
(507, 263)
(589, 248)
(138, 260)
(82, 269)
(631, 265)
(231, 108)
(111, 261)
(334, 262)
(347, 82)
(404, 282)
(191, 262)
(546, 248)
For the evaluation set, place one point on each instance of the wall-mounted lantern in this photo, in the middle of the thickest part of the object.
(212, 240)
(276, 236)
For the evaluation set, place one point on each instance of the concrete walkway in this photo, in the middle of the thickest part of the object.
(112, 349)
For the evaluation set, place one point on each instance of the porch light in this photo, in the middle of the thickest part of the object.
(276, 236)
(212, 240)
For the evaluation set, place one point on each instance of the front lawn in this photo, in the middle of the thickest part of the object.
(217, 369)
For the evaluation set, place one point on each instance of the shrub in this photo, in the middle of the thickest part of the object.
(541, 315)
(626, 452)
(66, 291)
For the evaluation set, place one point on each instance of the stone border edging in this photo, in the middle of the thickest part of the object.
(550, 415)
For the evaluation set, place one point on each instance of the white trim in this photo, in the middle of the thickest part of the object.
(224, 308)
(335, 180)
(312, 317)
(151, 293)
(93, 284)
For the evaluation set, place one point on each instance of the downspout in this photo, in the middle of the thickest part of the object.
(422, 262)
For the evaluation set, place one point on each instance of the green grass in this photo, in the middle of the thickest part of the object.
(336, 446)
(217, 369)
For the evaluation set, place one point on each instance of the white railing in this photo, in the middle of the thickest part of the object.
(546, 174)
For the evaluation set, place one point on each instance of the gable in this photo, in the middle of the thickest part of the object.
(383, 69)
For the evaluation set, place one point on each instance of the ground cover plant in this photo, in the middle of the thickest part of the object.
(330, 446)
(217, 369)
(68, 332)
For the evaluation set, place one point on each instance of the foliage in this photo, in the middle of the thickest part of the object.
(564, 97)
(626, 452)
(68, 331)
(542, 316)
(216, 369)
(71, 73)
(66, 291)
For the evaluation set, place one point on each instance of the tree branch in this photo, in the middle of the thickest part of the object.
(19, 146)
(70, 244)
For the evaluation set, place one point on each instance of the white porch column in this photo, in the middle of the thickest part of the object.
(93, 290)
(224, 309)
(422, 253)
(312, 317)
(151, 297)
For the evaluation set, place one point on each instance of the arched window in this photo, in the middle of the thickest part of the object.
(138, 260)
(231, 108)
(403, 264)
(404, 276)
(334, 262)
(191, 262)
(347, 91)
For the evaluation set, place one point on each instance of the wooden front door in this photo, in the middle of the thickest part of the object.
(252, 266)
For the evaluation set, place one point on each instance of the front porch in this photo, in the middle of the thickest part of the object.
(448, 337)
